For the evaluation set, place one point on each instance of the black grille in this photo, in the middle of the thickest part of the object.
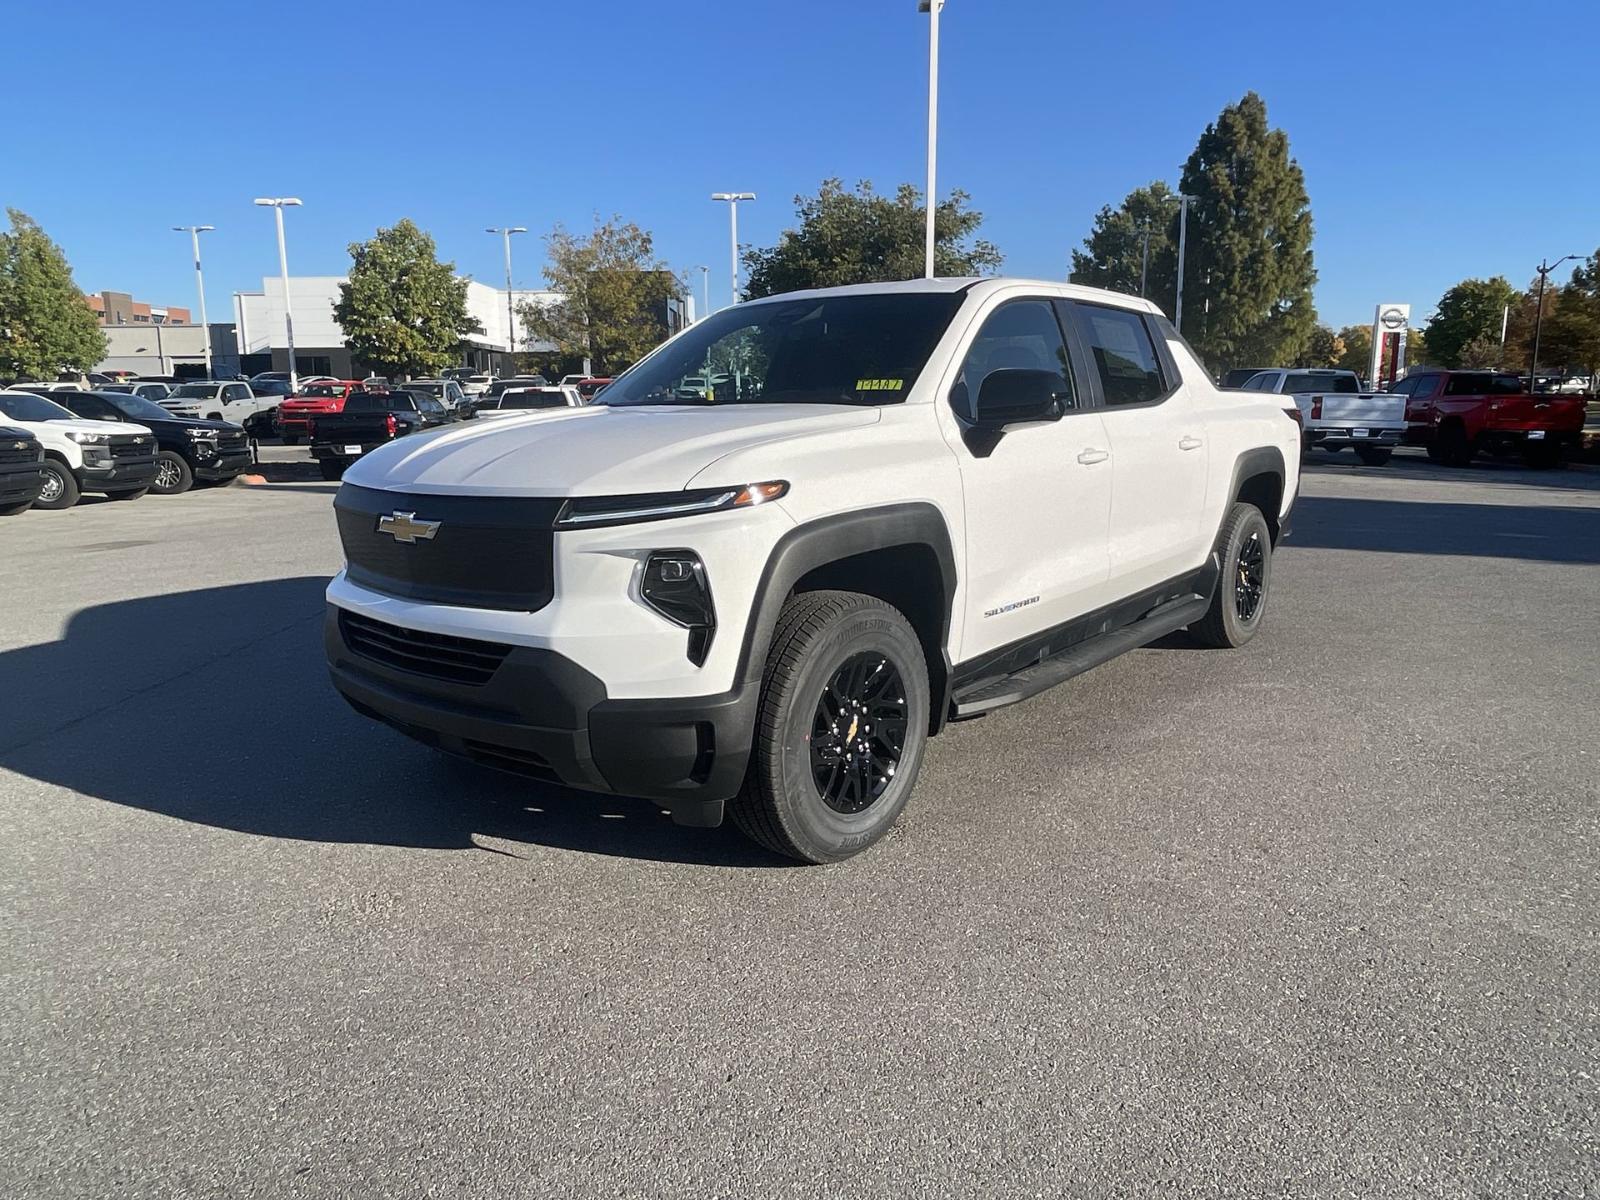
(487, 551)
(8, 454)
(232, 443)
(452, 659)
(130, 447)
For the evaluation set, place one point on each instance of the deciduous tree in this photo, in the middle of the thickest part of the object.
(403, 312)
(1469, 312)
(1113, 255)
(613, 296)
(861, 237)
(45, 325)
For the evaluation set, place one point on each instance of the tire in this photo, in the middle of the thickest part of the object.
(1374, 456)
(331, 468)
(1333, 449)
(1455, 447)
(1543, 456)
(828, 648)
(16, 510)
(291, 439)
(1228, 624)
(1434, 453)
(137, 494)
(173, 476)
(60, 487)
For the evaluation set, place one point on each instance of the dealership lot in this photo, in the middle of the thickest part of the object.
(1316, 917)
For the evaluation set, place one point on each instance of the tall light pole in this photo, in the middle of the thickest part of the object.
(1183, 238)
(733, 199)
(1544, 270)
(511, 311)
(277, 205)
(705, 289)
(194, 232)
(1144, 259)
(931, 7)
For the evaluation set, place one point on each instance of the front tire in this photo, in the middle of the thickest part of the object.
(1374, 456)
(1455, 447)
(173, 476)
(840, 731)
(1240, 600)
(60, 488)
(331, 468)
(16, 510)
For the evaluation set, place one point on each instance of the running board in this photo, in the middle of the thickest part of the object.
(988, 695)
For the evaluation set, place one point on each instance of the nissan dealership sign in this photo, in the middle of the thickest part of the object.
(1389, 319)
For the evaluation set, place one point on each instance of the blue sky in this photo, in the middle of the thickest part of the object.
(473, 114)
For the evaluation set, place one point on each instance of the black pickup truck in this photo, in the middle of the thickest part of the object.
(189, 449)
(369, 420)
(21, 473)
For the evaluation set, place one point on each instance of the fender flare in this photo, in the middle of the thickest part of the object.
(1262, 460)
(829, 539)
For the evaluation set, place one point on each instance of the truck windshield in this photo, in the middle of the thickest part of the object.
(324, 391)
(20, 406)
(1305, 381)
(136, 407)
(202, 391)
(849, 349)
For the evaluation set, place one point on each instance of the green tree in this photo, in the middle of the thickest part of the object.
(861, 237)
(45, 325)
(1113, 254)
(1249, 269)
(403, 312)
(613, 296)
(1355, 352)
(1323, 348)
(1469, 312)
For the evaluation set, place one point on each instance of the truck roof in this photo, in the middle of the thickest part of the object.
(980, 285)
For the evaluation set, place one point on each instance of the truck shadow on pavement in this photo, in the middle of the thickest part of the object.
(214, 707)
(1522, 531)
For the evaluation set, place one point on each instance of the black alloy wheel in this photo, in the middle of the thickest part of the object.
(1250, 583)
(858, 732)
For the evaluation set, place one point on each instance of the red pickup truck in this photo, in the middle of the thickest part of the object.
(313, 400)
(1456, 414)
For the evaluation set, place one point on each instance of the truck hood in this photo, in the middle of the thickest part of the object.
(93, 427)
(591, 451)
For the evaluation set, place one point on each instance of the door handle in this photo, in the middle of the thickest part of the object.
(1090, 456)
(1189, 443)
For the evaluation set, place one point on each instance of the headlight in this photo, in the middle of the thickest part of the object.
(675, 585)
(661, 506)
(89, 439)
(205, 434)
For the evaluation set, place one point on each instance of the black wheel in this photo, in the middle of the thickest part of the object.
(1245, 549)
(136, 494)
(1543, 455)
(331, 468)
(1332, 449)
(13, 510)
(173, 476)
(1374, 456)
(1455, 447)
(60, 488)
(840, 731)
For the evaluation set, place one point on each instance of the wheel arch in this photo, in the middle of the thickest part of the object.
(900, 553)
(1258, 479)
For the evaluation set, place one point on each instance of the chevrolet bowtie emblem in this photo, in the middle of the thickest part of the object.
(404, 527)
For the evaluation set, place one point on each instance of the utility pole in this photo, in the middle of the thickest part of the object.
(931, 7)
(511, 311)
(194, 232)
(1544, 270)
(1183, 237)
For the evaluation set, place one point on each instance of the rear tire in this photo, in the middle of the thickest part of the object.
(331, 469)
(823, 782)
(291, 439)
(60, 488)
(1542, 456)
(1374, 456)
(1237, 606)
(173, 476)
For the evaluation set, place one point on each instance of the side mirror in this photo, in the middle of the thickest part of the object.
(1014, 396)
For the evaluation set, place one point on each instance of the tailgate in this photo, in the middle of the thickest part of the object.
(1536, 412)
(1368, 409)
(341, 430)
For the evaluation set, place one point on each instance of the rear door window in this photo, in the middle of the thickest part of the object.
(1124, 354)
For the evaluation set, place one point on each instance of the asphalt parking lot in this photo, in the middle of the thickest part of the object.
(1317, 918)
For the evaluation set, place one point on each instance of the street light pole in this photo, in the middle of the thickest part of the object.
(733, 199)
(1144, 259)
(277, 205)
(931, 7)
(194, 232)
(1544, 270)
(705, 289)
(1183, 238)
(511, 312)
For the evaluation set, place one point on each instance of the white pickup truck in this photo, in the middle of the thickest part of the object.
(1335, 412)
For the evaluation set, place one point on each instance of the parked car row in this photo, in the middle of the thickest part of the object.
(1455, 415)
(113, 443)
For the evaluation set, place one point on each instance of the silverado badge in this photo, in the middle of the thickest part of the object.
(404, 527)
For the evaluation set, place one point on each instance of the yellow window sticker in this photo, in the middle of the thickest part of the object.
(879, 385)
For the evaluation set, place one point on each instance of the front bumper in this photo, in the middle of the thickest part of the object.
(224, 466)
(21, 486)
(541, 715)
(125, 475)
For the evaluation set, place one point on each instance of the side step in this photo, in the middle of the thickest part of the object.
(988, 695)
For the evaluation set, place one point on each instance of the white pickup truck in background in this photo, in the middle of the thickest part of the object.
(1335, 412)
